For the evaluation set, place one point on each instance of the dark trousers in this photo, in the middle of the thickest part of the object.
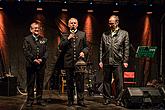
(72, 77)
(35, 74)
(55, 79)
(118, 78)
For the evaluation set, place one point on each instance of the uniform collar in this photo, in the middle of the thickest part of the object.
(73, 31)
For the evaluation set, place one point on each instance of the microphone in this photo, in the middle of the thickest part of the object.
(72, 30)
(72, 33)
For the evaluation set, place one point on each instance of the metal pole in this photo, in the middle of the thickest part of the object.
(161, 49)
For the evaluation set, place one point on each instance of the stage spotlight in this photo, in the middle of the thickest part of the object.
(150, 5)
(90, 11)
(39, 9)
(116, 11)
(149, 12)
(90, 2)
(149, 9)
(65, 1)
(64, 10)
(1, 8)
(134, 4)
(39, 1)
(116, 3)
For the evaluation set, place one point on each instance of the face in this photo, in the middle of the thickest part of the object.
(113, 23)
(73, 24)
(35, 29)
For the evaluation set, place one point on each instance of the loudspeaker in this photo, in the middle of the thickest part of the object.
(141, 97)
(152, 93)
(162, 90)
(132, 97)
(8, 86)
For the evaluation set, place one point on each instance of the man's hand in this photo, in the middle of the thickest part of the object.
(38, 61)
(125, 65)
(101, 65)
(71, 36)
(82, 55)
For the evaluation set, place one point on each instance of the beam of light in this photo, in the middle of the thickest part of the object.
(146, 41)
(61, 22)
(146, 37)
(3, 46)
(88, 28)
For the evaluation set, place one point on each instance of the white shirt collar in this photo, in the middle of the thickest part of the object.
(73, 31)
(35, 37)
(115, 31)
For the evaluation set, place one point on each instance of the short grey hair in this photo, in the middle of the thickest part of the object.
(116, 17)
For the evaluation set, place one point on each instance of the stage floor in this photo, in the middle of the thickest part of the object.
(56, 102)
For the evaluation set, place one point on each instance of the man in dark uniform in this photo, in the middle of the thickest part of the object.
(114, 53)
(73, 45)
(35, 51)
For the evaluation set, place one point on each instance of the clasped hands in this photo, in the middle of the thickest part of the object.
(38, 61)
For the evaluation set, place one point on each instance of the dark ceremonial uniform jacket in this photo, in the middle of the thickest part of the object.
(114, 50)
(35, 49)
(72, 48)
